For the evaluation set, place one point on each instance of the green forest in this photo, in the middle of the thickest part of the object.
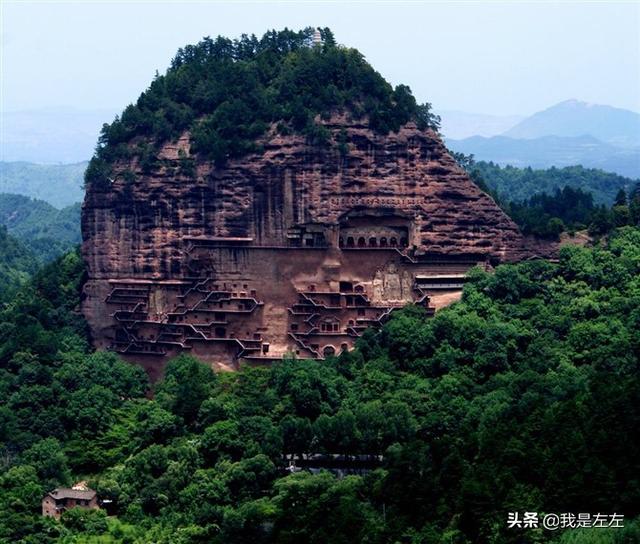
(46, 231)
(17, 264)
(522, 397)
(228, 93)
(555, 200)
(58, 184)
(517, 184)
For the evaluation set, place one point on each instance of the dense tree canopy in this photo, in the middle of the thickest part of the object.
(58, 184)
(522, 397)
(17, 263)
(547, 216)
(518, 184)
(569, 204)
(228, 92)
(47, 231)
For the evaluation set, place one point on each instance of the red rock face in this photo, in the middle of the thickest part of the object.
(296, 249)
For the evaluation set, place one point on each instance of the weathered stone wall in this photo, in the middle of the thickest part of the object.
(271, 223)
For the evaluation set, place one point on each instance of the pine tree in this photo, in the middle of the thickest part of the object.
(621, 198)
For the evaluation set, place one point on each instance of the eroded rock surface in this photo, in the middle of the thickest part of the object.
(297, 248)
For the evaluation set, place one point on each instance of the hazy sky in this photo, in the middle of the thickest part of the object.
(487, 57)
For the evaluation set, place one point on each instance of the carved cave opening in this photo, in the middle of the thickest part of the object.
(368, 231)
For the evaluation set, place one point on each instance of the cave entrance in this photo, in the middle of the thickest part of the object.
(373, 230)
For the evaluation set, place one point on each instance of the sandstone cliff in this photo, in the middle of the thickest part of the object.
(138, 227)
(297, 248)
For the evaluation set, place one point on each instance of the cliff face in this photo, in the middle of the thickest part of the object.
(187, 255)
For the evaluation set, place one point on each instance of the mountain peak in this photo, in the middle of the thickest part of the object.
(313, 197)
(582, 104)
(573, 117)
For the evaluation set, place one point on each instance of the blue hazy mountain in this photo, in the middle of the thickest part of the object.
(461, 124)
(58, 184)
(567, 134)
(53, 135)
(573, 118)
(547, 151)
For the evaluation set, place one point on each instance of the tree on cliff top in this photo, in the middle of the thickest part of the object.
(228, 92)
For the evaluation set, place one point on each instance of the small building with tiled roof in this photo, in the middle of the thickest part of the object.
(63, 498)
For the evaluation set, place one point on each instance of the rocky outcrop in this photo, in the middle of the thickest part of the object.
(264, 255)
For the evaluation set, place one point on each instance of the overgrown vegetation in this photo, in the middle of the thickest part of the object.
(547, 216)
(519, 184)
(522, 397)
(228, 92)
(47, 231)
(58, 184)
(568, 208)
(17, 263)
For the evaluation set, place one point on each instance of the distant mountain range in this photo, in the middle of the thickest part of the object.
(461, 124)
(573, 118)
(517, 184)
(548, 151)
(567, 134)
(59, 184)
(46, 230)
(51, 136)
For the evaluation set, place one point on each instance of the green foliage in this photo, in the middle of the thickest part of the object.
(93, 522)
(17, 263)
(41, 317)
(319, 509)
(547, 216)
(600, 535)
(20, 498)
(228, 93)
(518, 184)
(47, 231)
(513, 399)
(55, 395)
(50, 462)
(60, 185)
(186, 385)
(570, 203)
